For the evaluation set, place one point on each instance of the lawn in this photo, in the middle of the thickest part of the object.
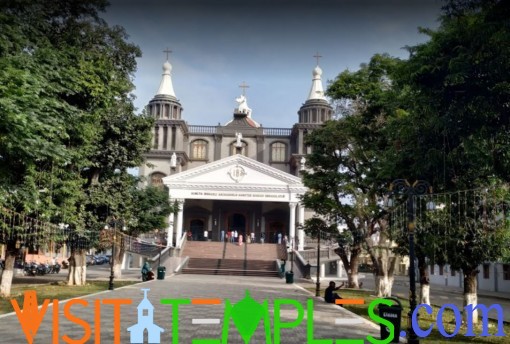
(52, 291)
(425, 320)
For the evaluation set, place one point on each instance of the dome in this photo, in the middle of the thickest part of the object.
(317, 71)
(167, 67)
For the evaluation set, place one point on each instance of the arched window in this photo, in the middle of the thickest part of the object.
(243, 150)
(278, 151)
(199, 149)
(157, 179)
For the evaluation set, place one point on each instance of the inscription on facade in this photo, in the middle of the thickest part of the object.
(236, 194)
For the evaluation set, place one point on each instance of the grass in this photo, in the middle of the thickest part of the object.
(425, 320)
(52, 291)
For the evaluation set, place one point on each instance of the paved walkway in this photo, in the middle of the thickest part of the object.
(325, 316)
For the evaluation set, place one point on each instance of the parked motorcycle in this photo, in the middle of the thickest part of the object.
(30, 269)
(55, 268)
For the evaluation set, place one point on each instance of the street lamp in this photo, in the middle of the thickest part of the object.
(318, 283)
(110, 285)
(403, 188)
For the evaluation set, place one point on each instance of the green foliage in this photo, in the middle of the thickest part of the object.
(68, 131)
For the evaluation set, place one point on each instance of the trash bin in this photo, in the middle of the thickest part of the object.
(289, 277)
(161, 272)
(394, 315)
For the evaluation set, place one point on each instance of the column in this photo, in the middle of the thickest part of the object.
(323, 270)
(170, 231)
(339, 268)
(160, 138)
(301, 232)
(180, 216)
(292, 222)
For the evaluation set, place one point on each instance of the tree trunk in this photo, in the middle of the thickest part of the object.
(384, 264)
(470, 292)
(77, 268)
(351, 266)
(8, 271)
(117, 260)
(384, 276)
(424, 280)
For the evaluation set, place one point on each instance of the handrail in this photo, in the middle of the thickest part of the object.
(182, 241)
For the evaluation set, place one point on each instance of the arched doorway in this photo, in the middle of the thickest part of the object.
(237, 222)
(197, 229)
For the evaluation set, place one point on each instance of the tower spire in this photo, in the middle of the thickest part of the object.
(317, 92)
(166, 87)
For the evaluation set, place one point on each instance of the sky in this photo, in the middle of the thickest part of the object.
(269, 44)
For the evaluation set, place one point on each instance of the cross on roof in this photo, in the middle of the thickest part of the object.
(244, 86)
(317, 56)
(167, 51)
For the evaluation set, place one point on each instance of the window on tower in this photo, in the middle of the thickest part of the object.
(278, 150)
(199, 149)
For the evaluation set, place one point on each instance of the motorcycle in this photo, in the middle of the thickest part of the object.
(55, 268)
(30, 269)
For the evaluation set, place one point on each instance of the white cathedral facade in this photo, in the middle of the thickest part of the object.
(238, 176)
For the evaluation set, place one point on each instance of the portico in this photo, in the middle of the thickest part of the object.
(239, 194)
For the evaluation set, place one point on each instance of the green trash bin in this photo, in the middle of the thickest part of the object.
(161, 272)
(289, 277)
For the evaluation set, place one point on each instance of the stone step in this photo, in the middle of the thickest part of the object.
(230, 272)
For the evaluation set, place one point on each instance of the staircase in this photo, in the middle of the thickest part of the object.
(217, 258)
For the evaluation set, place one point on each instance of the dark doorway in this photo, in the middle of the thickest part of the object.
(197, 229)
(275, 228)
(237, 222)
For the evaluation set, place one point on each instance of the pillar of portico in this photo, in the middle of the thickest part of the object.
(323, 270)
(301, 232)
(339, 268)
(292, 222)
(170, 231)
(180, 217)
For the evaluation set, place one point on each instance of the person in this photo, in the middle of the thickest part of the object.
(236, 235)
(262, 237)
(190, 235)
(329, 295)
(229, 236)
(252, 236)
(222, 235)
(206, 234)
(240, 239)
(146, 268)
(279, 237)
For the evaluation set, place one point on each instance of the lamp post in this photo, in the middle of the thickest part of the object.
(112, 261)
(403, 187)
(318, 283)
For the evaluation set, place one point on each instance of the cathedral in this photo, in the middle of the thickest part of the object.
(239, 176)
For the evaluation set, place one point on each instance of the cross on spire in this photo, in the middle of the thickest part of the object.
(244, 86)
(167, 51)
(317, 56)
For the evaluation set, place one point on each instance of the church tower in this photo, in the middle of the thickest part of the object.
(169, 128)
(313, 113)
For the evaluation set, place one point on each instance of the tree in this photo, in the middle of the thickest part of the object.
(344, 180)
(67, 114)
(459, 118)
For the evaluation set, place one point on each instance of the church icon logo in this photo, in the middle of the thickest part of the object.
(145, 323)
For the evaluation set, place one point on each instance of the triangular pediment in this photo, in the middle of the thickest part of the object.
(236, 173)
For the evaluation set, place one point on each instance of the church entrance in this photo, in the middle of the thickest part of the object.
(237, 222)
(275, 228)
(197, 229)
